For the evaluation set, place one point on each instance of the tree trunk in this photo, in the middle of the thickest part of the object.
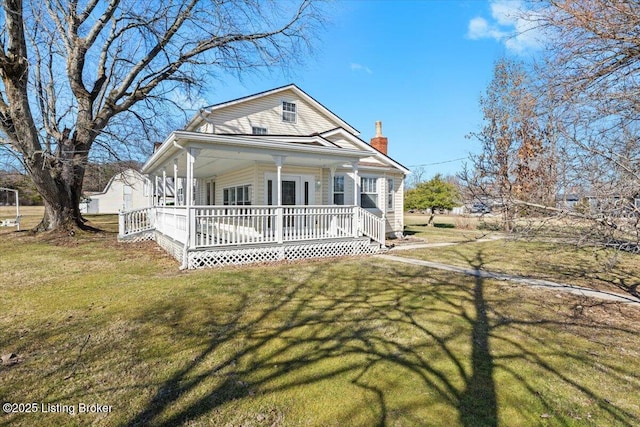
(60, 185)
(61, 210)
(507, 219)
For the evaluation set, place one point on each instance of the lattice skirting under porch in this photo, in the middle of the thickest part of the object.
(290, 251)
(175, 249)
(142, 236)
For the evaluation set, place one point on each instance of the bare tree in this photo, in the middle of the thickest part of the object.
(417, 176)
(592, 71)
(76, 74)
(515, 166)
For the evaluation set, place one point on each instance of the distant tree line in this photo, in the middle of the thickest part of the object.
(96, 177)
(27, 192)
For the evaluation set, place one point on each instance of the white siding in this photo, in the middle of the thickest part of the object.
(345, 143)
(112, 199)
(234, 179)
(200, 194)
(266, 112)
(395, 218)
(348, 186)
(265, 168)
(255, 176)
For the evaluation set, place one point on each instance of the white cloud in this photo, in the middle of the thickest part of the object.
(187, 101)
(510, 24)
(360, 67)
(479, 28)
(506, 12)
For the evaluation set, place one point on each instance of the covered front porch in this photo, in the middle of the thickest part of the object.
(242, 200)
(213, 235)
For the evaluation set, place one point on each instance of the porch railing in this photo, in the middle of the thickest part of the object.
(245, 225)
(136, 221)
(317, 222)
(220, 226)
(234, 225)
(371, 225)
(172, 222)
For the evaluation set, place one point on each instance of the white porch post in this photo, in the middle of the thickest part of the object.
(356, 184)
(332, 176)
(190, 231)
(279, 160)
(356, 199)
(164, 187)
(153, 185)
(384, 204)
(175, 182)
(175, 201)
(189, 197)
(154, 190)
(333, 224)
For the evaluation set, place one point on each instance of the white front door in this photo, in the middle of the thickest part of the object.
(296, 189)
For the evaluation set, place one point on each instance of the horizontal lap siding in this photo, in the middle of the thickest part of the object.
(112, 200)
(266, 112)
(264, 168)
(342, 143)
(395, 218)
(232, 179)
(200, 194)
(348, 186)
(326, 182)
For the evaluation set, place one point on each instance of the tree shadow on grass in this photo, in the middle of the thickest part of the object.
(404, 340)
(478, 402)
(603, 270)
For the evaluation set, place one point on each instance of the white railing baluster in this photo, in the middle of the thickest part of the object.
(136, 221)
(235, 225)
(371, 225)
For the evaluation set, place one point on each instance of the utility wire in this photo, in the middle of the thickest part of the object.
(439, 163)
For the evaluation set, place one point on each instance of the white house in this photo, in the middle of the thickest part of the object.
(275, 175)
(126, 190)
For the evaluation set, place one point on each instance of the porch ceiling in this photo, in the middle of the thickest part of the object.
(215, 162)
(216, 154)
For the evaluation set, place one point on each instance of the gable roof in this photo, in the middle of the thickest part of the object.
(292, 87)
(358, 142)
(124, 176)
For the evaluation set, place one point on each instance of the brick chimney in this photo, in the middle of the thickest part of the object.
(379, 142)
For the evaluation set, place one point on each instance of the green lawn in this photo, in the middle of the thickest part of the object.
(352, 341)
(446, 228)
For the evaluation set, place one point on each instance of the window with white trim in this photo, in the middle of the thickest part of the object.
(368, 192)
(390, 194)
(257, 130)
(237, 196)
(288, 112)
(338, 190)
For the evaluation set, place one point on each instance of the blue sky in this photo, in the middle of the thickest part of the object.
(418, 66)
